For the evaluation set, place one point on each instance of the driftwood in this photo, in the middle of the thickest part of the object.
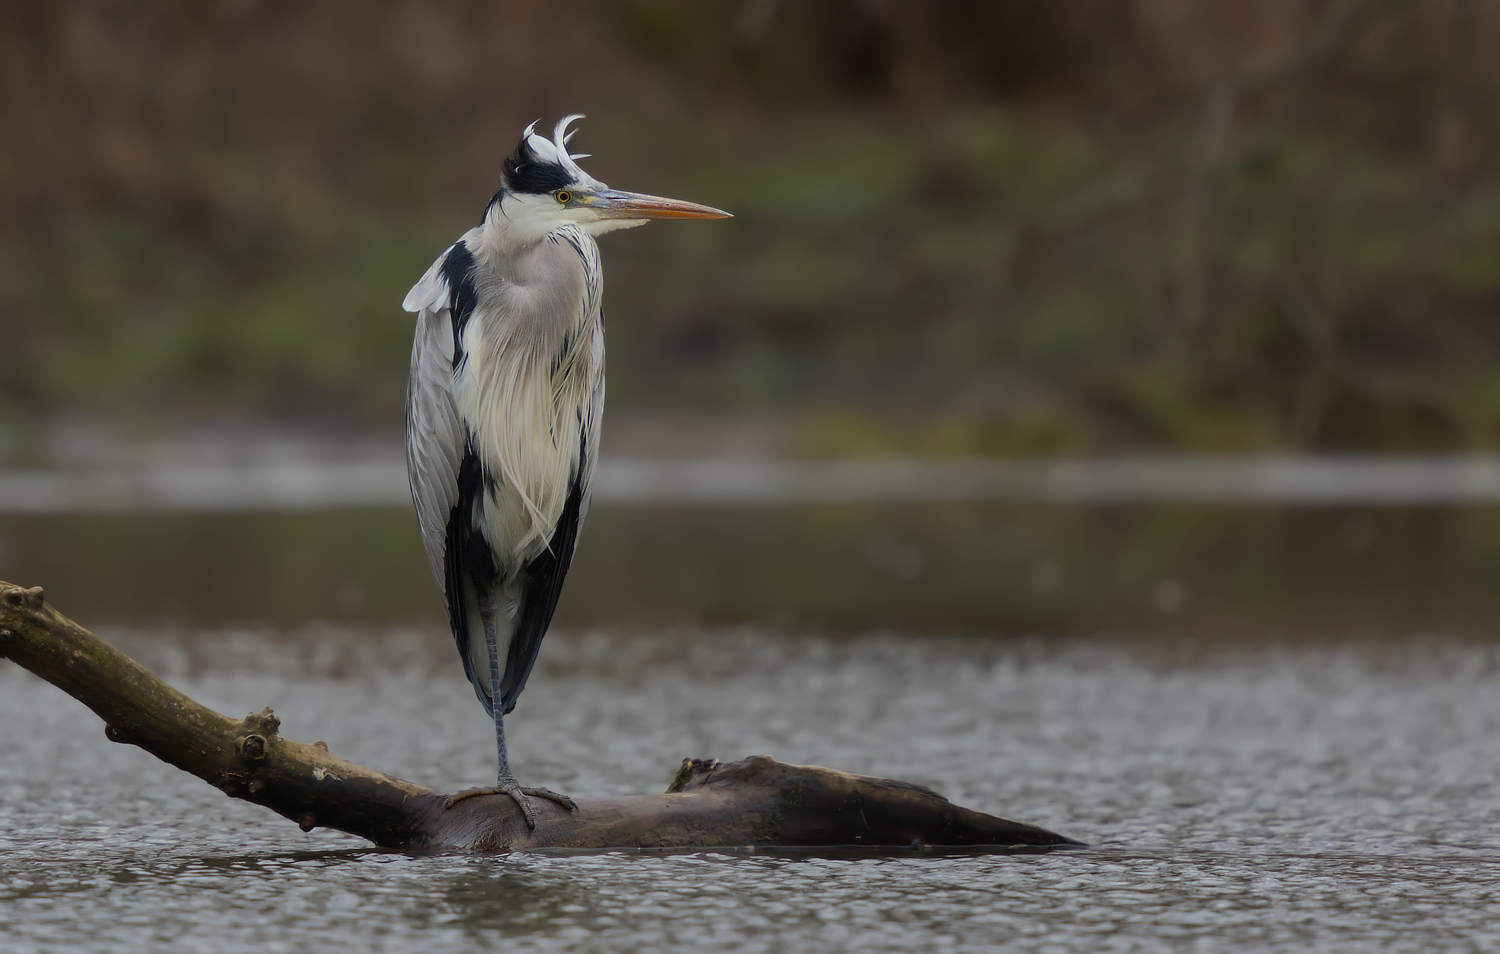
(754, 802)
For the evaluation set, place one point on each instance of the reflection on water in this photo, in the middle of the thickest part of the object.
(933, 567)
(1254, 795)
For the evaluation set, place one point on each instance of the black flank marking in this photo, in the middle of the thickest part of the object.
(543, 577)
(468, 565)
(458, 272)
(525, 173)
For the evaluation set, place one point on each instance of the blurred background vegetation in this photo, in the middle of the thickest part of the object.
(963, 226)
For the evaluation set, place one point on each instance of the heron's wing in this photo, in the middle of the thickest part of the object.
(431, 290)
(444, 474)
(434, 435)
(542, 578)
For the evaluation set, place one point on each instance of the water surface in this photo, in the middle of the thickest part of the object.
(1265, 795)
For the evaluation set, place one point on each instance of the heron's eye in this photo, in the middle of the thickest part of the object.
(563, 198)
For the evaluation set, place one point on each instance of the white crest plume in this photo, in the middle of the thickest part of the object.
(556, 149)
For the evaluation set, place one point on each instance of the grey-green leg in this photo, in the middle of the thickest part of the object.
(505, 782)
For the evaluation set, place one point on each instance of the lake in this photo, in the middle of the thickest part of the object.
(1278, 729)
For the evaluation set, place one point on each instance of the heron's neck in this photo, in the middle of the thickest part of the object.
(503, 237)
(499, 240)
(511, 229)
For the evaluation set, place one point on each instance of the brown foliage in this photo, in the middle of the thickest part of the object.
(244, 138)
(152, 105)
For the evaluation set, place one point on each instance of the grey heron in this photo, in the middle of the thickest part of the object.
(503, 410)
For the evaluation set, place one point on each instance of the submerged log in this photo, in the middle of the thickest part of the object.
(753, 802)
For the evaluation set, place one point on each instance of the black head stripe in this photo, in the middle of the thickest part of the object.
(525, 173)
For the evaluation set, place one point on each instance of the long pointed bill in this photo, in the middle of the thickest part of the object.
(633, 205)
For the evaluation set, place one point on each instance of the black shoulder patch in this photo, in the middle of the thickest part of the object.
(458, 272)
(524, 172)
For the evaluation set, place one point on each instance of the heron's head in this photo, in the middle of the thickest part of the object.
(545, 189)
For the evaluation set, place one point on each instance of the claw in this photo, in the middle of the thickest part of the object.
(517, 793)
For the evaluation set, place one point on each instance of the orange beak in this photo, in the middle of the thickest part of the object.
(633, 205)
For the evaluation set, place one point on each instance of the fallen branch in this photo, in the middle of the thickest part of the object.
(756, 801)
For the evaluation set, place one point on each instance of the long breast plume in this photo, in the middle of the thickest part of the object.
(529, 384)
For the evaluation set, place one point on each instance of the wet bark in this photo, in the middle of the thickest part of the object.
(754, 802)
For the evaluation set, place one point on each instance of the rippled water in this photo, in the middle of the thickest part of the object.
(1338, 796)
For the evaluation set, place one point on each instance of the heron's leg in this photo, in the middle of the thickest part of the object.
(505, 783)
(506, 776)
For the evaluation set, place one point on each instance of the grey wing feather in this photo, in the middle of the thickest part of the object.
(434, 434)
(594, 422)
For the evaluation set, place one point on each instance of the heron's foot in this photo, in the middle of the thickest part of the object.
(519, 794)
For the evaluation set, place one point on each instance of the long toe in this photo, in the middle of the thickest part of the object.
(522, 796)
(552, 796)
(518, 795)
(469, 793)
